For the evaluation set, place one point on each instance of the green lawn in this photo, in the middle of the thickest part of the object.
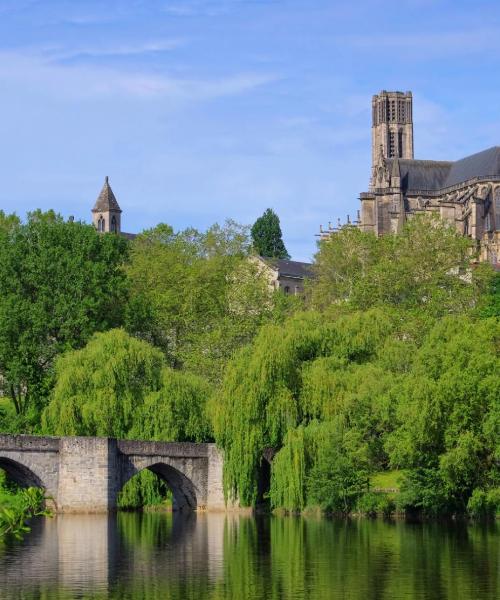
(386, 480)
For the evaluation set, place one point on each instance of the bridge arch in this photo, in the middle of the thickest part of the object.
(185, 492)
(20, 473)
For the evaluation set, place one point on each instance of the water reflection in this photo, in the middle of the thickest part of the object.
(225, 557)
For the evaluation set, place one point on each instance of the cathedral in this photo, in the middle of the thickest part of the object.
(465, 192)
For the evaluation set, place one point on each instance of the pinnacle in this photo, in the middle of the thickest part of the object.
(106, 200)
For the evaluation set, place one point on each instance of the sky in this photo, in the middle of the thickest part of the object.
(206, 110)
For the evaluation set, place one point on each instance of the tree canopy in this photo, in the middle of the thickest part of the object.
(59, 283)
(426, 268)
(197, 296)
(119, 386)
(394, 365)
(389, 364)
(267, 237)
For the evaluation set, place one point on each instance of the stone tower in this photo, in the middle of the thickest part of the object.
(106, 214)
(392, 126)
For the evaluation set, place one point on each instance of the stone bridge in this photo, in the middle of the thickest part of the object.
(85, 474)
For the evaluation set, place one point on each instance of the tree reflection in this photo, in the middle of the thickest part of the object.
(229, 557)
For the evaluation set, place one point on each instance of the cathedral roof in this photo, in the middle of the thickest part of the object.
(422, 174)
(106, 199)
(433, 175)
(481, 164)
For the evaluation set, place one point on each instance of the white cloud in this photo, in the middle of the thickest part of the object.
(83, 81)
(110, 50)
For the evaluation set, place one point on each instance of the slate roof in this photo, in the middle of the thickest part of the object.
(290, 268)
(482, 164)
(422, 174)
(106, 199)
(433, 175)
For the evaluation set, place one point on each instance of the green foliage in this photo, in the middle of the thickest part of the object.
(405, 392)
(267, 237)
(196, 296)
(426, 268)
(338, 477)
(424, 491)
(16, 508)
(490, 303)
(118, 386)
(59, 283)
(144, 490)
(484, 503)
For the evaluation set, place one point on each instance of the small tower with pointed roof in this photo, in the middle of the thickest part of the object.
(106, 214)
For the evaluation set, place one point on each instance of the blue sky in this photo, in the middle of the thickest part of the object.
(202, 110)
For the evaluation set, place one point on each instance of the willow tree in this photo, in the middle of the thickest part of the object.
(343, 395)
(119, 386)
(263, 397)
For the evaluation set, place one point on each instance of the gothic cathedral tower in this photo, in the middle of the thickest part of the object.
(106, 214)
(392, 126)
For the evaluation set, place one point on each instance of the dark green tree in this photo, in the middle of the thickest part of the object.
(59, 283)
(267, 237)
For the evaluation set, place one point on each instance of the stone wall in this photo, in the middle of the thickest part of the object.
(88, 478)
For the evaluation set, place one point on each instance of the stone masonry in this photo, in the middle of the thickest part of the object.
(85, 474)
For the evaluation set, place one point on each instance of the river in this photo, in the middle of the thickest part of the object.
(216, 556)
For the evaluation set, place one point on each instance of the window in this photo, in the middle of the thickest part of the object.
(392, 110)
(101, 224)
(113, 224)
(287, 289)
(400, 143)
(392, 144)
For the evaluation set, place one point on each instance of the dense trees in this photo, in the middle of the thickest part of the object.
(196, 296)
(119, 386)
(425, 268)
(389, 364)
(59, 283)
(396, 368)
(267, 237)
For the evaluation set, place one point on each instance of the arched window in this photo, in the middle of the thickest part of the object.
(113, 224)
(101, 224)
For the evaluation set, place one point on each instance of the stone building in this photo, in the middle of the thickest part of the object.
(465, 192)
(285, 275)
(106, 214)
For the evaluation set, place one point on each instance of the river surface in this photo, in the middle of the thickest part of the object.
(171, 557)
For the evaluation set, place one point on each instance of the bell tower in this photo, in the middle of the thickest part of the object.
(106, 214)
(392, 125)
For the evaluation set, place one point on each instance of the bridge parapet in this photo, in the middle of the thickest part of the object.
(29, 443)
(171, 449)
